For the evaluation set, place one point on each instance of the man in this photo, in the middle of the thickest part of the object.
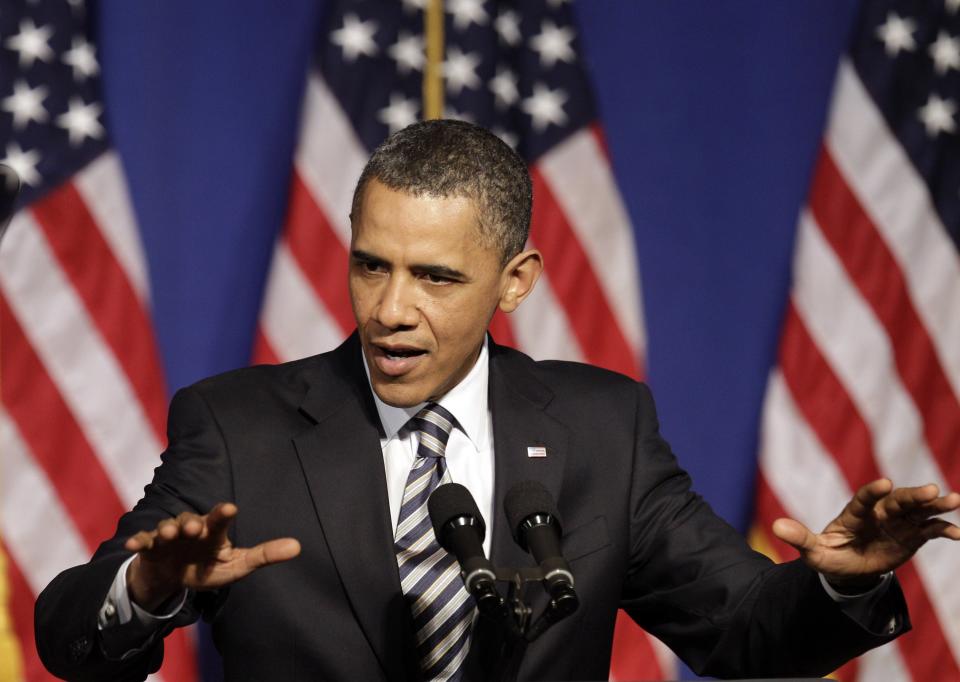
(340, 450)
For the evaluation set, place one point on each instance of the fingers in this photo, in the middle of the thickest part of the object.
(938, 528)
(909, 499)
(140, 541)
(866, 498)
(219, 519)
(272, 552)
(916, 505)
(187, 525)
(796, 534)
(919, 502)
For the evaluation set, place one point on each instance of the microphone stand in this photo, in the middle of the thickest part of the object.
(516, 617)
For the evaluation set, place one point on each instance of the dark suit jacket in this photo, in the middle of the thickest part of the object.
(296, 446)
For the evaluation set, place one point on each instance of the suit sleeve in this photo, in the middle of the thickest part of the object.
(726, 610)
(194, 474)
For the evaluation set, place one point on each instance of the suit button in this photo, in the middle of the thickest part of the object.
(79, 648)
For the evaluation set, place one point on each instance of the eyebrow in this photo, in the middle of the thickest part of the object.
(424, 268)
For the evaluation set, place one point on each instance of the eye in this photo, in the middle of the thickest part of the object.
(372, 266)
(436, 279)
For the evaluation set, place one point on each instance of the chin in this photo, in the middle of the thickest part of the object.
(400, 396)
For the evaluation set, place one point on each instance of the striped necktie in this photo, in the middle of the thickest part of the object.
(430, 577)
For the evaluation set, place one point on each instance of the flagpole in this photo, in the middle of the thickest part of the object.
(433, 72)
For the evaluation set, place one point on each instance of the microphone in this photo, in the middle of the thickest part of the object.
(459, 528)
(535, 524)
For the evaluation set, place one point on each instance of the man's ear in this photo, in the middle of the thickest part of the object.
(520, 275)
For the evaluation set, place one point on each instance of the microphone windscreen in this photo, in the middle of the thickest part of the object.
(525, 499)
(450, 501)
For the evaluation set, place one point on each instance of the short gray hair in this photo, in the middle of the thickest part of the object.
(449, 158)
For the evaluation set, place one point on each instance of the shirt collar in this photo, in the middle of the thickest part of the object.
(467, 401)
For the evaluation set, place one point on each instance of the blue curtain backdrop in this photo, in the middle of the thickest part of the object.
(713, 113)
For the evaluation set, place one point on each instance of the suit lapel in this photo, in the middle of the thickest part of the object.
(343, 464)
(518, 403)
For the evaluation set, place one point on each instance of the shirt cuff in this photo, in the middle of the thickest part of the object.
(126, 628)
(860, 607)
(877, 591)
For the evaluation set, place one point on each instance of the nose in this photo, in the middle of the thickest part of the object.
(397, 308)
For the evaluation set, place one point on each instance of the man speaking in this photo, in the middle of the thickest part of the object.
(320, 469)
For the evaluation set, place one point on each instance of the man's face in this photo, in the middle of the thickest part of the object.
(423, 288)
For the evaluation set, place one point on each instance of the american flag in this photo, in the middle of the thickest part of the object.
(515, 68)
(83, 406)
(868, 378)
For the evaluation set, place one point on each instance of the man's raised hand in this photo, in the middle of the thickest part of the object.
(193, 551)
(878, 530)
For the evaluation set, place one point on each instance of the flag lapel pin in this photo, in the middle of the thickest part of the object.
(536, 451)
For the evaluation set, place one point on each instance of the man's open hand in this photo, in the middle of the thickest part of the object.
(878, 530)
(193, 551)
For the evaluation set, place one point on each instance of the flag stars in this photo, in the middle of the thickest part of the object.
(507, 25)
(26, 104)
(82, 59)
(31, 43)
(355, 37)
(504, 87)
(408, 53)
(545, 106)
(460, 70)
(466, 12)
(945, 52)
(81, 121)
(937, 115)
(400, 113)
(414, 5)
(553, 44)
(897, 34)
(24, 163)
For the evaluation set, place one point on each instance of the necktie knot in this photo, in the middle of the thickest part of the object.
(434, 424)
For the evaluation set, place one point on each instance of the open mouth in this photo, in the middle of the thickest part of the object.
(397, 361)
(397, 353)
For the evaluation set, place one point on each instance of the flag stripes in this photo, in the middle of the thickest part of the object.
(880, 281)
(319, 252)
(583, 185)
(100, 186)
(82, 388)
(31, 505)
(868, 376)
(63, 453)
(576, 284)
(893, 194)
(62, 332)
(541, 323)
(100, 281)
